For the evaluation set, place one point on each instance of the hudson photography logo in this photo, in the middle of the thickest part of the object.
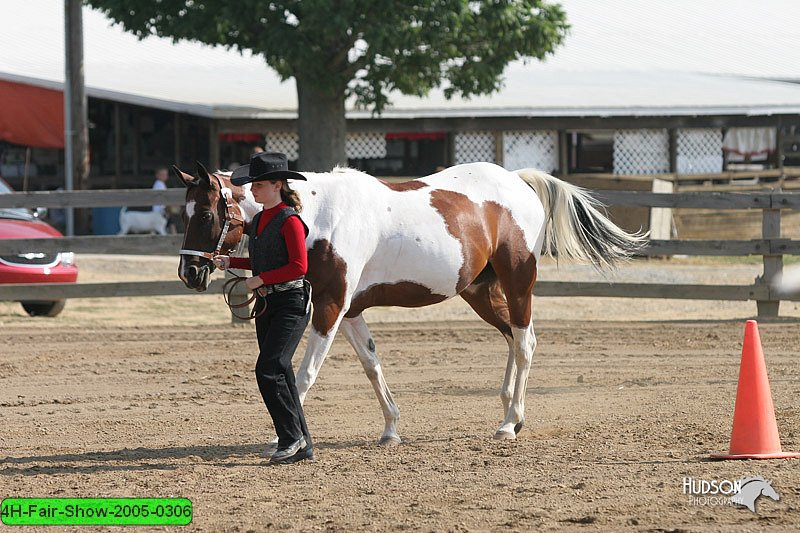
(713, 492)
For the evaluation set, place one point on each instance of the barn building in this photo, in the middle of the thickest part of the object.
(579, 125)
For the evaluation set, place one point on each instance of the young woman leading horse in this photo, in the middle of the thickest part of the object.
(474, 230)
(279, 262)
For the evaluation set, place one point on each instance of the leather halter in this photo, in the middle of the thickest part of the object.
(229, 217)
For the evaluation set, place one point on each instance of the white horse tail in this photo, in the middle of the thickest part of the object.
(788, 282)
(576, 228)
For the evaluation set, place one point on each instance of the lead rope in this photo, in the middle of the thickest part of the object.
(227, 291)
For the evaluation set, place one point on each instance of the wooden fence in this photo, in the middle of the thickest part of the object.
(771, 246)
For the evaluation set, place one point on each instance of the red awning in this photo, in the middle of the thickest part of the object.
(31, 116)
(252, 138)
(416, 135)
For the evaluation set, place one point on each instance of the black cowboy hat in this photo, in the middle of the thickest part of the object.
(265, 166)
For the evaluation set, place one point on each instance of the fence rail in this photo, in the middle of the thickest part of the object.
(58, 291)
(771, 246)
(169, 244)
(104, 198)
(98, 244)
(176, 196)
(786, 176)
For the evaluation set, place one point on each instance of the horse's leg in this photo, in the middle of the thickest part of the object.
(524, 346)
(317, 347)
(486, 298)
(517, 275)
(357, 333)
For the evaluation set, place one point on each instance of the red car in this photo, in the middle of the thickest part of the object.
(33, 267)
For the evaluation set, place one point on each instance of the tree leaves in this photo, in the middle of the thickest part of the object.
(365, 48)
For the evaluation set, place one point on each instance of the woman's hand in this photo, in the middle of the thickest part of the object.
(222, 262)
(254, 283)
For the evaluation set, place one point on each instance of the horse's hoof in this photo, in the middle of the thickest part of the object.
(504, 435)
(518, 427)
(389, 442)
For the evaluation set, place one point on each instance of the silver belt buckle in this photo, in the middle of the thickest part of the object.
(307, 287)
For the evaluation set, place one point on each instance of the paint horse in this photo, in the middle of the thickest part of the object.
(473, 230)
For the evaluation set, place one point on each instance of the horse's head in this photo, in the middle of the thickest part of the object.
(214, 224)
(751, 488)
(769, 491)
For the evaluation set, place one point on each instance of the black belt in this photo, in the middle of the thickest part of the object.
(280, 287)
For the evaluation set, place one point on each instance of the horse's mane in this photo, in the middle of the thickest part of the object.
(337, 170)
(347, 170)
(746, 480)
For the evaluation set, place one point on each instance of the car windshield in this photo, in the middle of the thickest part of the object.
(12, 212)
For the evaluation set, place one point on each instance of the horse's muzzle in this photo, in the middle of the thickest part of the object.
(196, 276)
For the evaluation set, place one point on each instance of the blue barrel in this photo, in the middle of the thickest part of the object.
(105, 220)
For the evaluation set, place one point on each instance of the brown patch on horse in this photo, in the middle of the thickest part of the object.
(402, 186)
(485, 297)
(238, 195)
(326, 272)
(516, 270)
(488, 233)
(467, 222)
(401, 294)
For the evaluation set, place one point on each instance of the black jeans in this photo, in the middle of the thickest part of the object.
(279, 332)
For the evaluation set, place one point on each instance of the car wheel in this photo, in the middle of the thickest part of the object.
(44, 308)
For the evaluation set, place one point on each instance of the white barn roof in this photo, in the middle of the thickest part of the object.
(622, 58)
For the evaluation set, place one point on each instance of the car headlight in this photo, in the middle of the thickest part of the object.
(67, 258)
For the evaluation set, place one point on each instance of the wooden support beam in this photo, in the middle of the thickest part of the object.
(773, 264)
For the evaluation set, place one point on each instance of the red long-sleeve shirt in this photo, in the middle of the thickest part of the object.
(294, 235)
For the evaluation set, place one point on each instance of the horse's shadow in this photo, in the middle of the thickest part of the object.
(140, 459)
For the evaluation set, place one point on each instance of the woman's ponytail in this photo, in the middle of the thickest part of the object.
(290, 197)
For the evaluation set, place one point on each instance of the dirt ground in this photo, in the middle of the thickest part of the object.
(155, 397)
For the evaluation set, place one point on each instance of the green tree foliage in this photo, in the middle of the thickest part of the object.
(365, 49)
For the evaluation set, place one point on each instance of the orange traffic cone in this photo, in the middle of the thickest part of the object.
(755, 431)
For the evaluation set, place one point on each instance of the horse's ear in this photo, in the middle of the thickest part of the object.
(202, 173)
(187, 179)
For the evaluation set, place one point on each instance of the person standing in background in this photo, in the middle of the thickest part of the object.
(160, 184)
(173, 219)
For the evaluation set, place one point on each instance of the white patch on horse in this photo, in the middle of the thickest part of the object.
(409, 240)
(190, 209)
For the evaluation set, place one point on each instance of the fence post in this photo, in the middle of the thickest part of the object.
(773, 263)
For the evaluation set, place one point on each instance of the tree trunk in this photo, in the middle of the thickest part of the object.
(322, 128)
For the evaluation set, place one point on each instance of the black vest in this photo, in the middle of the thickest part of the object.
(268, 250)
